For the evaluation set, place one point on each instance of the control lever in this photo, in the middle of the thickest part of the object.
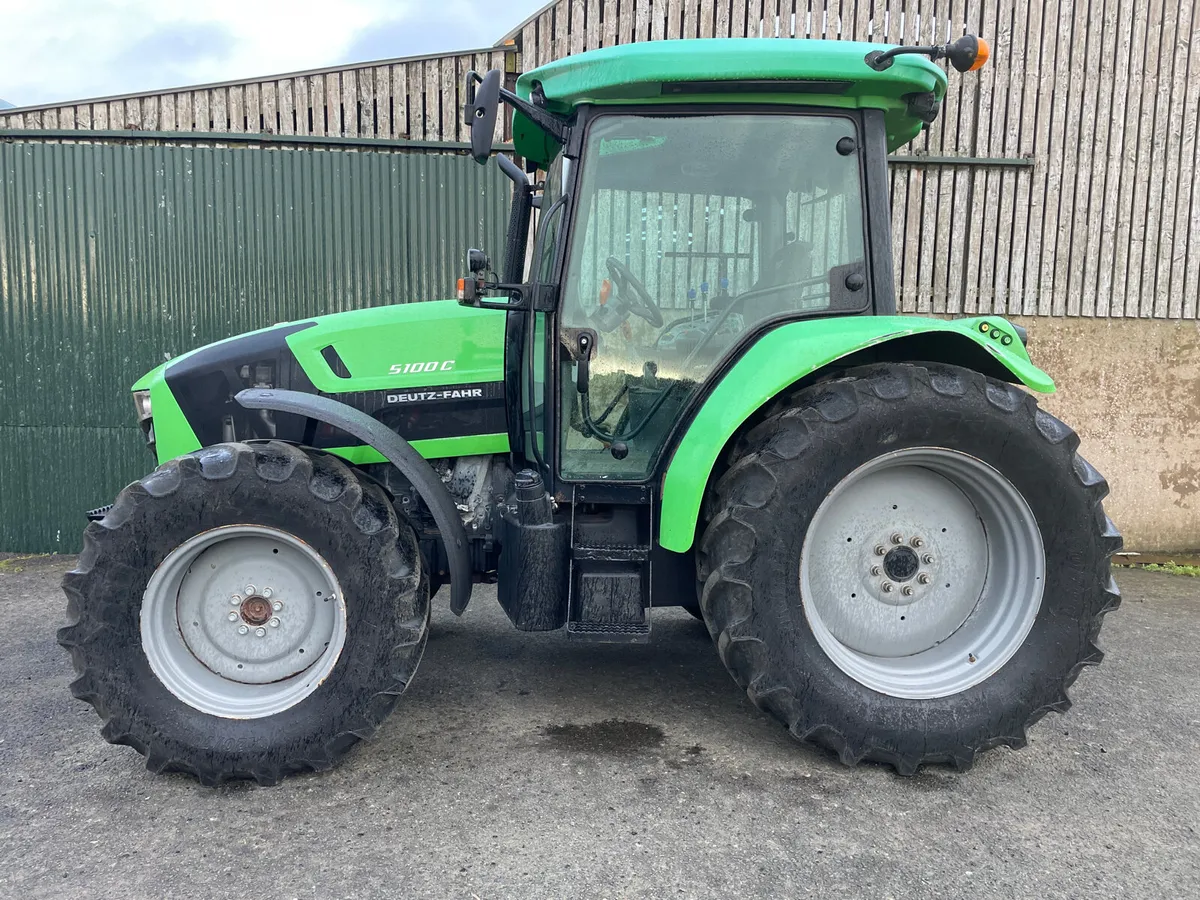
(585, 343)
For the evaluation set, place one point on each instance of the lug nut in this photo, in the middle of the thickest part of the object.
(260, 632)
(250, 589)
(233, 617)
(274, 623)
(876, 570)
(887, 587)
(267, 592)
(277, 606)
(235, 599)
(907, 590)
(917, 542)
(897, 538)
(923, 578)
(927, 558)
(242, 629)
(880, 550)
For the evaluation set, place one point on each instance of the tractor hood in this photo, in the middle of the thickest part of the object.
(433, 372)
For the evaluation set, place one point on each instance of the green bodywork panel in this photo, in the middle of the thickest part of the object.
(637, 73)
(458, 345)
(370, 341)
(779, 359)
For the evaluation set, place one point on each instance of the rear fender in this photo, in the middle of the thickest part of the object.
(798, 350)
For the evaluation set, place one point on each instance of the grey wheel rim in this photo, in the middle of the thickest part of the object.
(243, 621)
(922, 573)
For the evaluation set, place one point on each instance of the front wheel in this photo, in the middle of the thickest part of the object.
(246, 611)
(908, 564)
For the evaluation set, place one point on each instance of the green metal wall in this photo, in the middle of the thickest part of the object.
(116, 256)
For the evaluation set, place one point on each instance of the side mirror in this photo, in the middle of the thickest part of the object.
(479, 111)
(471, 288)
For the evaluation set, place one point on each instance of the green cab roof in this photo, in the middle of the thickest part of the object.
(733, 70)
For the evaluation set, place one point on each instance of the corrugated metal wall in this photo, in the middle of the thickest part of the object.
(116, 256)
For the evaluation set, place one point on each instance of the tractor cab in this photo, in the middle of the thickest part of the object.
(692, 196)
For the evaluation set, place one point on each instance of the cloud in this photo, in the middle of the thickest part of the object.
(171, 52)
(60, 50)
(436, 28)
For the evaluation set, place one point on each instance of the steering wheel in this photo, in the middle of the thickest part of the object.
(634, 292)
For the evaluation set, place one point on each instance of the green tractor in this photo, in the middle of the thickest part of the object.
(685, 385)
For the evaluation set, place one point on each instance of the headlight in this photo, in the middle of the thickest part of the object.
(141, 402)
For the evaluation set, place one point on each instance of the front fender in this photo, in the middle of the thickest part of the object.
(789, 353)
(399, 453)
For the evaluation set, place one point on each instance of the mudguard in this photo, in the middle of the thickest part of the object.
(793, 351)
(399, 453)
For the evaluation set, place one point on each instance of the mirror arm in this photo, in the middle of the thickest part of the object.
(545, 120)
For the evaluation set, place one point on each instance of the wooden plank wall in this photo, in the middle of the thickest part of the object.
(1103, 96)
(417, 99)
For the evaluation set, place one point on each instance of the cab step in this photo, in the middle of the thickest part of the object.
(609, 633)
(610, 576)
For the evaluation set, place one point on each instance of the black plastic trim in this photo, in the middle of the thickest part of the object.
(399, 453)
(203, 382)
(874, 154)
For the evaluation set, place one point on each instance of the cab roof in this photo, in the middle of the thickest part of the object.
(735, 70)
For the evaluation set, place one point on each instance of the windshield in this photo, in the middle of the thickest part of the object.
(690, 230)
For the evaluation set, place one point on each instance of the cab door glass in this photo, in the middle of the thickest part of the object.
(549, 227)
(690, 231)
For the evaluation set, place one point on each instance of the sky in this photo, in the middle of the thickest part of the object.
(58, 50)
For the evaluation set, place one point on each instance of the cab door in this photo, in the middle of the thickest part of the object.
(536, 410)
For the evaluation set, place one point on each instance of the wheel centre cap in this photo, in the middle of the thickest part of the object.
(256, 610)
(900, 563)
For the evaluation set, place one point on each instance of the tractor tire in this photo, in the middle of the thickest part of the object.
(908, 564)
(292, 643)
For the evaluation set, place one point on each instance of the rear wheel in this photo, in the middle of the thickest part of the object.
(908, 564)
(246, 611)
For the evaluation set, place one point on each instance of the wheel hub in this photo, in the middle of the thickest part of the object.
(901, 563)
(243, 621)
(256, 611)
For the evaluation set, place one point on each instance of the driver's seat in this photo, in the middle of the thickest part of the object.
(790, 263)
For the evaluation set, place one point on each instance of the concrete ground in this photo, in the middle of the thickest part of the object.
(523, 766)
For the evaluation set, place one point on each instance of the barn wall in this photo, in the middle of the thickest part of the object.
(116, 256)
(1131, 390)
(418, 98)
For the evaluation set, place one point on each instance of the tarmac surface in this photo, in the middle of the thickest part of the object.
(527, 766)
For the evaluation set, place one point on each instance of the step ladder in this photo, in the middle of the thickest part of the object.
(609, 599)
